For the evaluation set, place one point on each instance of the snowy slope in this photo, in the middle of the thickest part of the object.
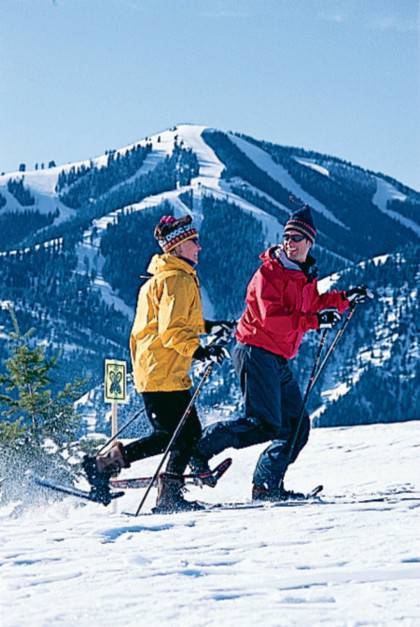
(42, 186)
(265, 162)
(386, 192)
(42, 183)
(311, 163)
(384, 332)
(334, 564)
(210, 166)
(208, 181)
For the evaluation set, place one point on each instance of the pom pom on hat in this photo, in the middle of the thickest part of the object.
(167, 220)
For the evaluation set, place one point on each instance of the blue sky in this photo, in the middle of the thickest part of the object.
(78, 77)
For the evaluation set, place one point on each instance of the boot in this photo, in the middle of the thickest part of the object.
(170, 498)
(100, 468)
(262, 493)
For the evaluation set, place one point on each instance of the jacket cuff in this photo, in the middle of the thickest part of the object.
(345, 304)
(191, 347)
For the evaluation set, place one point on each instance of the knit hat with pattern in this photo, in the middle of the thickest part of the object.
(172, 231)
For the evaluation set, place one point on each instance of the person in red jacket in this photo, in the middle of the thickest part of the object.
(282, 304)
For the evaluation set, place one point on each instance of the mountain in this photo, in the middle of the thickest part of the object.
(75, 241)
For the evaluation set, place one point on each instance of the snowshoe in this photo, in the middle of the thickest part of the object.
(262, 493)
(99, 470)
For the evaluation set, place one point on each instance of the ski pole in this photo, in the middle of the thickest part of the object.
(175, 434)
(316, 371)
(333, 345)
(138, 414)
(127, 424)
(213, 340)
(308, 389)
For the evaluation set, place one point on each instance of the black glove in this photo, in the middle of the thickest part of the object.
(359, 294)
(214, 353)
(328, 318)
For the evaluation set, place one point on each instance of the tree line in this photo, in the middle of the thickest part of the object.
(16, 225)
(174, 171)
(80, 184)
(20, 192)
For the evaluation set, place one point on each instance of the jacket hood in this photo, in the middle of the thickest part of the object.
(277, 253)
(167, 263)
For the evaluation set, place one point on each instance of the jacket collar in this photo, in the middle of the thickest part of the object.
(308, 268)
(168, 262)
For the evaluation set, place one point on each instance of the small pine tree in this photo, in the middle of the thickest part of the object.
(36, 425)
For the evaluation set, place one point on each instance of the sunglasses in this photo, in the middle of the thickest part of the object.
(294, 238)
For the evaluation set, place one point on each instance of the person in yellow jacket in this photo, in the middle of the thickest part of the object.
(164, 340)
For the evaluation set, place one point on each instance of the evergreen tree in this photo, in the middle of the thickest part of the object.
(36, 426)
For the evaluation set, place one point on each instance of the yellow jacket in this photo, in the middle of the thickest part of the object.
(167, 326)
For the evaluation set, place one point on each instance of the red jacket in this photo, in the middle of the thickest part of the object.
(281, 306)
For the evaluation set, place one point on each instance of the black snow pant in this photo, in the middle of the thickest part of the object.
(165, 410)
(273, 404)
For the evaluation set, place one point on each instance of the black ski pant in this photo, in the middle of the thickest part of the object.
(165, 410)
(273, 404)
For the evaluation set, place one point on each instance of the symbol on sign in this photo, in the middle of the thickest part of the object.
(115, 377)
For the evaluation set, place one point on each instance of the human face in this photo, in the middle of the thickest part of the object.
(189, 250)
(296, 251)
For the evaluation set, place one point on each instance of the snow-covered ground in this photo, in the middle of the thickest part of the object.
(315, 564)
(211, 167)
